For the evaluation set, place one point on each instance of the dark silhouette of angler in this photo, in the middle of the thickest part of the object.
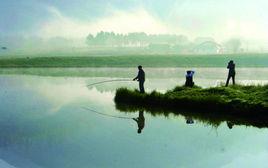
(141, 78)
(4, 48)
(231, 73)
(140, 121)
(189, 78)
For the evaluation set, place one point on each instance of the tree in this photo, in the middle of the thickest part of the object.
(134, 39)
(90, 39)
(232, 45)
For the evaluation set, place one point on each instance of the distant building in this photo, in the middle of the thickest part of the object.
(208, 47)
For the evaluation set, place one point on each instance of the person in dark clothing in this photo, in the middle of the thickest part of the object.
(189, 78)
(140, 121)
(231, 74)
(141, 78)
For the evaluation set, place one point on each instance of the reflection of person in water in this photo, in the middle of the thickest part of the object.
(140, 121)
(230, 124)
(189, 120)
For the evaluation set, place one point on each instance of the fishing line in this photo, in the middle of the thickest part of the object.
(115, 80)
(107, 115)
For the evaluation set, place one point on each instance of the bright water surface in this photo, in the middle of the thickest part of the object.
(43, 123)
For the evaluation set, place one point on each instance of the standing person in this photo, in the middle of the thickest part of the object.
(141, 78)
(231, 74)
(189, 78)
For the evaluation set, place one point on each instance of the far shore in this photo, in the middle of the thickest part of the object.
(168, 61)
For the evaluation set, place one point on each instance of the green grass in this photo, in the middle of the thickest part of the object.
(246, 105)
(242, 60)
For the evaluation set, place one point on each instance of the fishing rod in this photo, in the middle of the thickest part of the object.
(115, 80)
(107, 115)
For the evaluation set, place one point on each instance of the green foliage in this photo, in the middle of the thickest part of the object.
(235, 99)
(246, 105)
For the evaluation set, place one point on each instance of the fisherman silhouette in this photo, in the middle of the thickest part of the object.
(231, 74)
(189, 78)
(140, 121)
(141, 78)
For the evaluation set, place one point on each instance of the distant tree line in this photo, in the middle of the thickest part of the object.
(108, 42)
(164, 42)
(138, 39)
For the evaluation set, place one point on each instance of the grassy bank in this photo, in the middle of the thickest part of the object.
(242, 60)
(235, 103)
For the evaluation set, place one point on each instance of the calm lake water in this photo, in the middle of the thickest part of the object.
(44, 123)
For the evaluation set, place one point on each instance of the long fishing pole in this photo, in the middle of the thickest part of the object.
(107, 115)
(115, 80)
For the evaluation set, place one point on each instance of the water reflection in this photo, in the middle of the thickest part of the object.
(214, 119)
(42, 125)
(189, 120)
(229, 124)
(140, 121)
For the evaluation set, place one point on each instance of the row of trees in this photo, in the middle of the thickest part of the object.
(133, 39)
(162, 41)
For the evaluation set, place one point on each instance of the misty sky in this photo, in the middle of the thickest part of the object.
(220, 19)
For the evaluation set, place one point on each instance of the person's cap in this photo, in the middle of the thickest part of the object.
(139, 66)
